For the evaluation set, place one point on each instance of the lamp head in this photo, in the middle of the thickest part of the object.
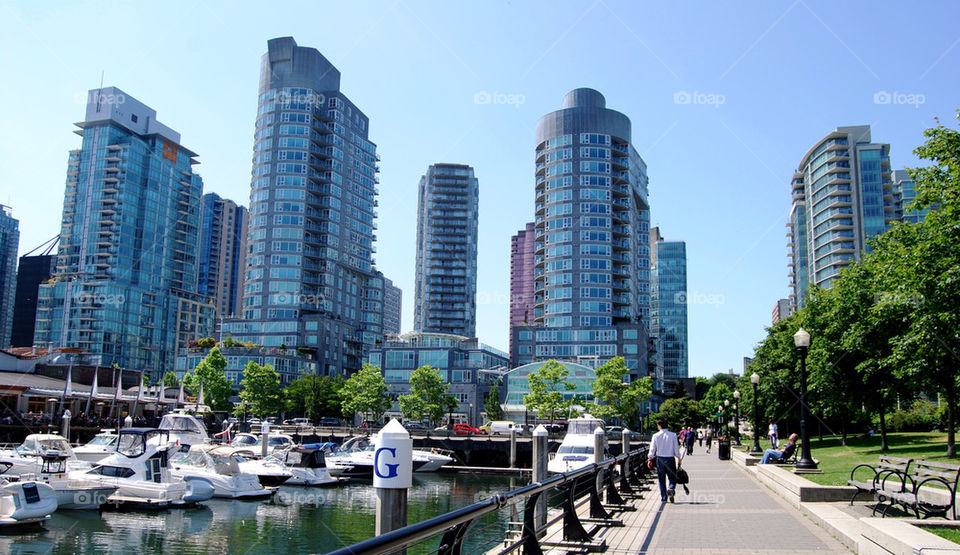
(801, 339)
(726, 402)
(754, 378)
(736, 394)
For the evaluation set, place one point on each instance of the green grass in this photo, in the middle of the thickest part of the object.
(952, 534)
(837, 460)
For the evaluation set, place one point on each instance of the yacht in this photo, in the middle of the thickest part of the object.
(102, 445)
(357, 452)
(184, 428)
(140, 472)
(221, 467)
(435, 458)
(27, 458)
(308, 466)
(276, 442)
(576, 450)
(25, 503)
(270, 472)
(72, 493)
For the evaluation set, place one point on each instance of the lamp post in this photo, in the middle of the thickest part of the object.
(736, 417)
(801, 340)
(719, 420)
(755, 450)
(726, 420)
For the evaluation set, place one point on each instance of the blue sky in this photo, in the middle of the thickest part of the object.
(764, 80)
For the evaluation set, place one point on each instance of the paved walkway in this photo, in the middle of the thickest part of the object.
(725, 512)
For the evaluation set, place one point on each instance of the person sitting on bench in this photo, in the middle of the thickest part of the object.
(775, 455)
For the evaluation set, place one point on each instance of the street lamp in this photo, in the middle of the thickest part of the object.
(801, 340)
(755, 450)
(719, 419)
(726, 425)
(736, 417)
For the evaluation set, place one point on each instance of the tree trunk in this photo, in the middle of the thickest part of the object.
(951, 420)
(883, 431)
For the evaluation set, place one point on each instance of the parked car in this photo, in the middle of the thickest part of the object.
(297, 422)
(414, 426)
(466, 430)
(330, 421)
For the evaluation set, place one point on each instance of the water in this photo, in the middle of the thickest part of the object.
(296, 520)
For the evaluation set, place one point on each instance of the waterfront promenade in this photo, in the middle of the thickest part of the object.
(726, 512)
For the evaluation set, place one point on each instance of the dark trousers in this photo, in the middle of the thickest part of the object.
(666, 469)
(689, 447)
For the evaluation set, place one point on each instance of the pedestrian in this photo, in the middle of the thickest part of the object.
(700, 436)
(665, 456)
(772, 433)
(690, 438)
(681, 436)
(709, 436)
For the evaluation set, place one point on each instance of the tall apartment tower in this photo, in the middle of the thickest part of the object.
(592, 252)
(126, 272)
(392, 307)
(903, 194)
(839, 192)
(783, 309)
(33, 271)
(223, 248)
(310, 279)
(446, 288)
(522, 261)
(670, 321)
(9, 243)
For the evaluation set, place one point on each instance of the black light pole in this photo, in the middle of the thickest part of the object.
(736, 417)
(801, 340)
(726, 419)
(719, 420)
(756, 450)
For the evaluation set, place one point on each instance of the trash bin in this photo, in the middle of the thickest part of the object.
(723, 449)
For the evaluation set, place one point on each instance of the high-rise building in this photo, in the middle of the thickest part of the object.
(446, 290)
(839, 192)
(33, 271)
(310, 278)
(903, 194)
(592, 266)
(783, 309)
(392, 307)
(670, 275)
(223, 247)
(126, 272)
(9, 243)
(521, 278)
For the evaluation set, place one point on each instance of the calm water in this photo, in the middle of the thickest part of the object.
(297, 520)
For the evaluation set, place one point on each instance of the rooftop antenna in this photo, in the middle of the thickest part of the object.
(100, 91)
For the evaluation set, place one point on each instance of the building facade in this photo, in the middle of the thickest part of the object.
(392, 307)
(904, 193)
(310, 279)
(446, 273)
(223, 247)
(670, 320)
(126, 273)
(522, 253)
(9, 244)
(33, 271)
(783, 309)
(592, 252)
(842, 197)
(461, 361)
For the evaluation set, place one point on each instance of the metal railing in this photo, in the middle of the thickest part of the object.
(593, 480)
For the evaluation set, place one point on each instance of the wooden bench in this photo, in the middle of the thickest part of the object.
(930, 488)
(887, 465)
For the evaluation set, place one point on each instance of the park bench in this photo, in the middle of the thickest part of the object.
(888, 465)
(930, 488)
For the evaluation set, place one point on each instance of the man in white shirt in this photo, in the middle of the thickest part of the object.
(665, 454)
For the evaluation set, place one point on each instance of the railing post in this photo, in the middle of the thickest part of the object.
(513, 447)
(392, 476)
(540, 455)
(264, 438)
(625, 466)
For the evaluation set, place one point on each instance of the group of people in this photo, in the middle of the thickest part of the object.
(688, 437)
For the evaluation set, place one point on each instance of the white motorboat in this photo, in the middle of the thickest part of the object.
(270, 472)
(27, 458)
(24, 503)
(72, 493)
(357, 452)
(221, 467)
(435, 458)
(98, 448)
(308, 466)
(276, 442)
(140, 472)
(184, 428)
(576, 450)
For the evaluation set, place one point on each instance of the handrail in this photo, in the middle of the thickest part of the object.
(400, 538)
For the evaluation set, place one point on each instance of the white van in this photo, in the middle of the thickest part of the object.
(500, 427)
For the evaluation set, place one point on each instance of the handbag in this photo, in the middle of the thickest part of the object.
(683, 479)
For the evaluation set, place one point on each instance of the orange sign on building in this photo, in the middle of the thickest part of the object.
(170, 151)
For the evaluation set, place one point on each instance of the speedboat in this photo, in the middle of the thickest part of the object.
(576, 450)
(101, 446)
(334, 468)
(24, 503)
(275, 442)
(221, 467)
(435, 458)
(72, 493)
(357, 452)
(308, 466)
(27, 458)
(184, 428)
(140, 472)
(270, 472)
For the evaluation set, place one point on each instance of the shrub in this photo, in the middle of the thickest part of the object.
(206, 342)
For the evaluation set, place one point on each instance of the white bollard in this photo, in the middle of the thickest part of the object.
(513, 447)
(264, 438)
(66, 424)
(392, 476)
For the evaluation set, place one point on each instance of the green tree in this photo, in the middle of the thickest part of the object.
(547, 386)
(366, 392)
(261, 389)
(314, 396)
(428, 397)
(677, 413)
(170, 380)
(619, 399)
(491, 406)
(715, 397)
(209, 374)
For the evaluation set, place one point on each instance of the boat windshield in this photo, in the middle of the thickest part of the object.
(583, 427)
(107, 440)
(132, 445)
(575, 449)
(181, 423)
(34, 446)
(279, 440)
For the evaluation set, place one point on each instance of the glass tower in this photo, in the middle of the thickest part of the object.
(522, 248)
(125, 281)
(903, 194)
(446, 287)
(310, 279)
(671, 320)
(9, 243)
(223, 245)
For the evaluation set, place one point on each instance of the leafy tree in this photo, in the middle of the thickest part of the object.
(715, 397)
(428, 397)
(617, 398)
(170, 380)
(209, 374)
(366, 391)
(314, 396)
(547, 385)
(677, 413)
(491, 406)
(261, 389)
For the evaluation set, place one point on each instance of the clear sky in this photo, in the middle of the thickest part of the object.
(762, 82)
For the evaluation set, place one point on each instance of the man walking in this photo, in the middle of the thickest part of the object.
(709, 436)
(665, 454)
(690, 439)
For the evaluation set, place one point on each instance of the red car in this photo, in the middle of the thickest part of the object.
(466, 430)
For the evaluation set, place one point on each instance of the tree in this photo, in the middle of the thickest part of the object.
(209, 374)
(170, 380)
(547, 385)
(314, 396)
(366, 391)
(491, 406)
(677, 413)
(714, 398)
(428, 397)
(619, 399)
(261, 389)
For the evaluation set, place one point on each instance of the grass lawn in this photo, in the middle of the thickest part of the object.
(952, 534)
(837, 461)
